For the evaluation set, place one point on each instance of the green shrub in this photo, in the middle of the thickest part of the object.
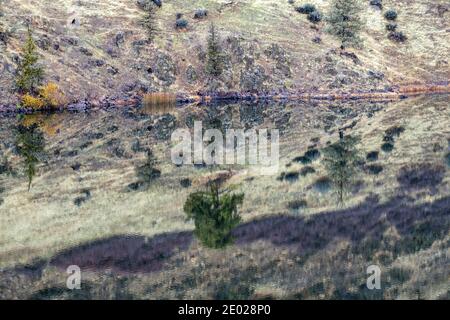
(200, 13)
(215, 215)
(306, 8)
(390, 15)
(387, 147)
(447, 159)
(181, 23)
(315, 17)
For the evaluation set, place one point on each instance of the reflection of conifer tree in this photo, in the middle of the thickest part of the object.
(148, 172)
(30, 145)
(215, 215)
(341, 161)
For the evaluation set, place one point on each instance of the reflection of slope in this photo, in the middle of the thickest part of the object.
(360, 225)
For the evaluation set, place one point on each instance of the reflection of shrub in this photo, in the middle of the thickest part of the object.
(419, 176)
(399, 275)
(28, 101)
(390, 15)
(322, 184)
(376, 3)
(312, 154)
(302, 160)
(397, 36)
(297, 204)
(307, 170)
(291, 176)
(315, 17)
(422, 236)
(391, 26)
(215, 215)
(306, 8)
(395, 131)
(387, 147)
(447, 159)
(374, 169)
(372, 156)
(235, 289)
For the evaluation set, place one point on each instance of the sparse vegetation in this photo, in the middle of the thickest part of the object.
(345, 22)
(215, 215)
(390, 15)
(29, 73)
(181, 23)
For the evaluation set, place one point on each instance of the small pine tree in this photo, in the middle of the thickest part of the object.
(214, 215)
(341, 160)
(214, 64)
(149, 22)
(345, 22)
(30, 74)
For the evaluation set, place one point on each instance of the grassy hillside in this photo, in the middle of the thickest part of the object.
(98, 48)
